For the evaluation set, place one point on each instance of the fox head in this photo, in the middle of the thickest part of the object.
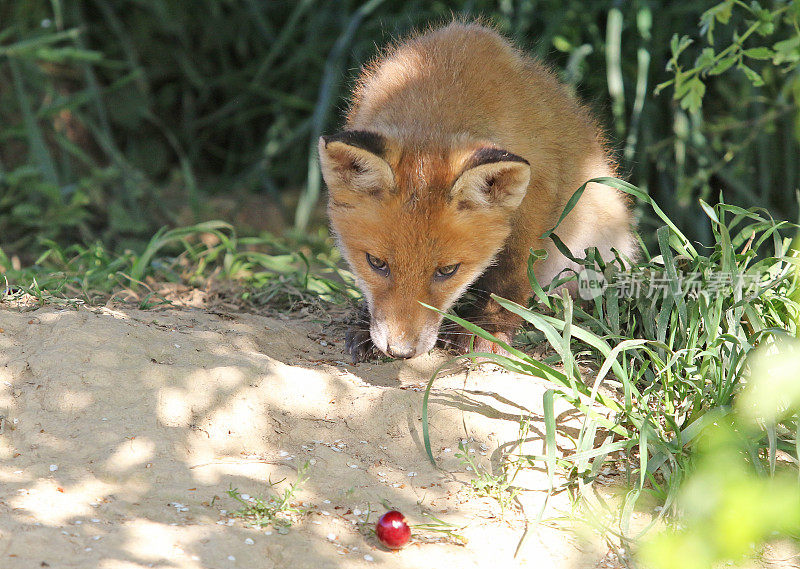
(417, 224)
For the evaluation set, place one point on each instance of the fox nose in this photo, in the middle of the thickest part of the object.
(401, 352)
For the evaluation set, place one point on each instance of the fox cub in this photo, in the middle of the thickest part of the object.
(458, 152)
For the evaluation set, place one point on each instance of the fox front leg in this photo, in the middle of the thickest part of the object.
(358, 342)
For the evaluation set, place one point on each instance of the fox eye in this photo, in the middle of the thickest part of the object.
(379, 265)
(446, 272)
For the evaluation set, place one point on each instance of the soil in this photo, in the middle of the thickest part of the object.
(122, 430)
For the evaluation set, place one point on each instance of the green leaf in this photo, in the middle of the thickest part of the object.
(787, 51)
(678, 45)
(693, 99)
(706, 58)
(766, 22)
(752, 75)
(550, 433)
(723, 65)
(722, 12)
(562, 44)
(536, 255)
(65, 54)
(759, 53)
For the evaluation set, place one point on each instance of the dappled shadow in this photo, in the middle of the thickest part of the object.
(123, 430)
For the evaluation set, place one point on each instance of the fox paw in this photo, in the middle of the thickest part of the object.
(358, 343)
(463, 343)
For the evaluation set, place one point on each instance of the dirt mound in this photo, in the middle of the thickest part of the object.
(122, 431)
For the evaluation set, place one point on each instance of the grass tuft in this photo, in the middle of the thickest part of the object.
(670, 355)
(278, 510)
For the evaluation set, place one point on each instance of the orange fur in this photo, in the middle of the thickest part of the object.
(429, 187)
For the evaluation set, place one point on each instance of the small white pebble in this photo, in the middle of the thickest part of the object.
(363, 442)
(223, 512)
(53, 467)
(448, 450)
(283, 453)
(331, 537)
(15, 421)
(176, 345)
(104, 419)
(396, 485)
(319, 523)
(312, 461)
(382, 474)
(356, 512)
(412, 474)
(95, 520)
(231, 558)
(267, 532)
(383, 447)
(353, 465)
(87, 548)
(17, 472)
(96, 537)
(195, 558)
(78, 522)
(184, 509)
(469, 468)
(369, 557)
(326, 501)
(324, 513)
(249, 541)
(472, 451)
(245, 496)
(323, 343)
(221, 523)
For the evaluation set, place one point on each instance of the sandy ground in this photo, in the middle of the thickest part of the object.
(121, 431)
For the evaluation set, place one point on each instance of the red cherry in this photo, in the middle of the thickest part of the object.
(392, 530)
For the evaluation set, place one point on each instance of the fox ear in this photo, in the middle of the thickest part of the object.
(353, 161)
(492, 178)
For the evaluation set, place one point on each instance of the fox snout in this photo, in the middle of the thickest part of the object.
(403, 340)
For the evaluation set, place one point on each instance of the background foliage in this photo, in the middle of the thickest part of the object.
(120, 116)
(122, 119)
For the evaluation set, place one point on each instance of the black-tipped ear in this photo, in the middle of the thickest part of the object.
(353, 160)
(363, 139)
(492, 177)
(490, 155)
